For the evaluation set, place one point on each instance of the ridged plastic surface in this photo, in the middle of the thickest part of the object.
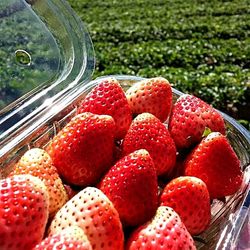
(49, 55)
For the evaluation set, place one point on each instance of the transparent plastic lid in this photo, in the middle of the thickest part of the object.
(45, 52)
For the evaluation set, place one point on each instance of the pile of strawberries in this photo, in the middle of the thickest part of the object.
(130, 171)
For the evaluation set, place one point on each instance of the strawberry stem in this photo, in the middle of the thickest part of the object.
(206, 132)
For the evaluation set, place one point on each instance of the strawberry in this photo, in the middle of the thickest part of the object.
(190, 116)
(164, 231)
(83, 150)
(37, 162)
(70, 238)
(215, 162)
(148, 132)
(151, 96)
(24, 203)
(189, 197)
(124, 185)
(92, 211)
(108, 98)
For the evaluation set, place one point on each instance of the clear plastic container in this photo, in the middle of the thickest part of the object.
(45, 55)
(58, 84)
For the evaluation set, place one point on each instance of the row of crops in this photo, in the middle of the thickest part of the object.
(201, 47)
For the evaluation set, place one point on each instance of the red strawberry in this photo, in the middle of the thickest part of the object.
(131, 185)
(83, 150)
(190, 116)
(151, 96)
(71, 238)
(91, 210)
(189, 197)
(215, 162)
(38, 163)
(148, 132)
(108, 98)
(164, 231)
(24, 203)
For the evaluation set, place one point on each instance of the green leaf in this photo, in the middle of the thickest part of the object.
(206, 132)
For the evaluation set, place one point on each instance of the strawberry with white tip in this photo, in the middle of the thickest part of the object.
(153, 96)
(37, 162)
(94, 213)
(70, 238)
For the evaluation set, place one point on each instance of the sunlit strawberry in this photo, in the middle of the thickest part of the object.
(151, 96)
(71, 238)
(38, 163)
(108, 98)
(92, 211)
(24, 210)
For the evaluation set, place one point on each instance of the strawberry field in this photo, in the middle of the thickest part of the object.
(201, 47)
